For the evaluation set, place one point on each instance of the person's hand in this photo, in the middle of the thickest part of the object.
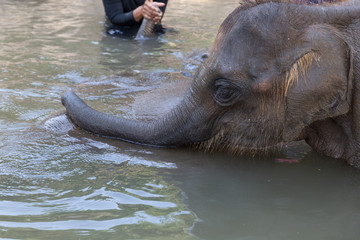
(151, 10)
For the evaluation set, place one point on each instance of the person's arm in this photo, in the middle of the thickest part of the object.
(138, 13)
(115, 12)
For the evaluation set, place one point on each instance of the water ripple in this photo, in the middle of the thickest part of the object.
(138, 218)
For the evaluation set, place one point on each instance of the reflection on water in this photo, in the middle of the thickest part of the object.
(252, 199)
(59, 182)
(87, 187)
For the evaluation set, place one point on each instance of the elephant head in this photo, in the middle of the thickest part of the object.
(277, 72)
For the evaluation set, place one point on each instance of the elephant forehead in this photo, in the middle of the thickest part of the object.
(250, 37)
(255, 39)
(267, 23)
(251, 53)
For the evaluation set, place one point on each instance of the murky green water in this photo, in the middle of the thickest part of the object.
(61, 184)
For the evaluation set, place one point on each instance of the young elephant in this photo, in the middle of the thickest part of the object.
(277, 72)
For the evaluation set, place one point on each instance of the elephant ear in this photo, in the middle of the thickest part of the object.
(319, 82)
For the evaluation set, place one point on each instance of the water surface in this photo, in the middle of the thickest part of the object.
(58, 182)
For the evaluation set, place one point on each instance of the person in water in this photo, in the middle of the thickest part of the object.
(125, 14)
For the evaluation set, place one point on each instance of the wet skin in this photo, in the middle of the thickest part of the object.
(276, 73)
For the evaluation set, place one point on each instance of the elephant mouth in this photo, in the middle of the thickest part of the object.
(240, 145)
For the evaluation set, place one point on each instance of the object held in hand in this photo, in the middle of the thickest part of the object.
(147, 28)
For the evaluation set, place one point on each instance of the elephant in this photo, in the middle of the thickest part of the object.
(277, 72)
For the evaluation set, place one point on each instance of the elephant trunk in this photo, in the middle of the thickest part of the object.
(179, 127)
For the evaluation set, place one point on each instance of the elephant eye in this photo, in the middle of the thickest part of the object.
(225, 92)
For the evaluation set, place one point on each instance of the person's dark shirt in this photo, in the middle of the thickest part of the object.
(120, 12)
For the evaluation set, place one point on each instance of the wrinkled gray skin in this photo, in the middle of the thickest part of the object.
(239, 101)
(147, 28)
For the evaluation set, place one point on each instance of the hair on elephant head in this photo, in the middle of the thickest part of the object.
(277, 72)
